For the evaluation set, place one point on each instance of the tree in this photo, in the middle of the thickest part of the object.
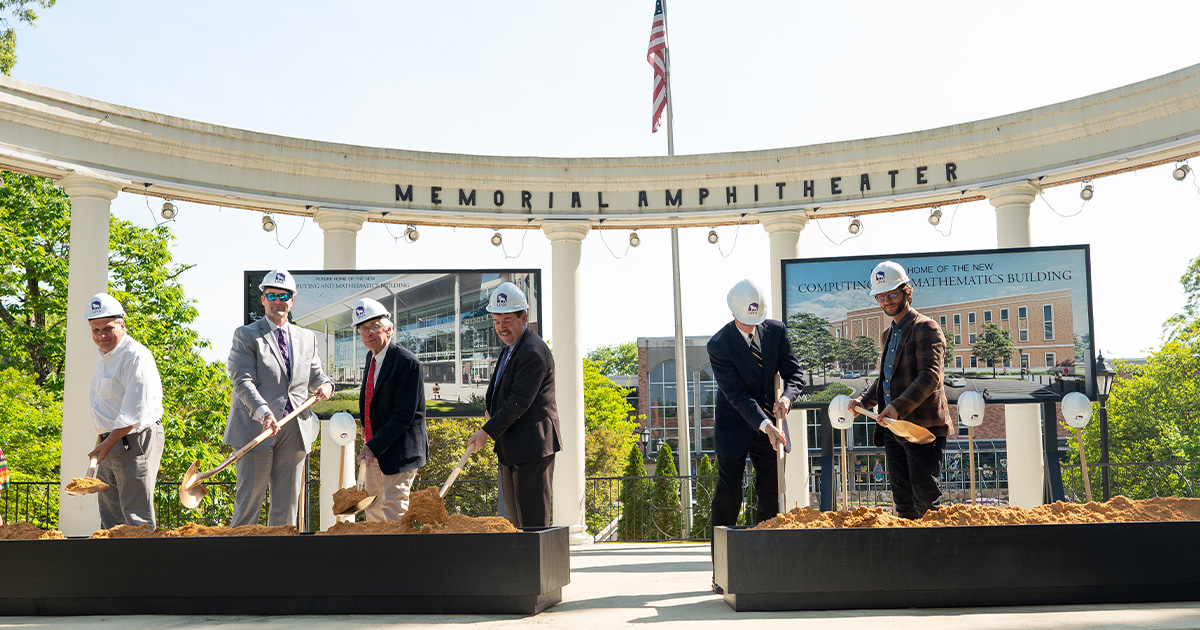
(1182, 320)
(994, 345)
(949, 358)
(664, 502)
(706, 486)
(866, 351)
(811, 340)
(606, 417)
(618, 360)
(843, 353)
(635, 499)
(21, 11)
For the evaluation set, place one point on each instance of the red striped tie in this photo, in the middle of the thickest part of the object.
(367, 400)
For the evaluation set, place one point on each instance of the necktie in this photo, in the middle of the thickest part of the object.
(757, 352)
(370, 393)
(287, 361)
(500, 370)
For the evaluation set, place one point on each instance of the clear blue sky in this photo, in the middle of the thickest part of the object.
(556, 78)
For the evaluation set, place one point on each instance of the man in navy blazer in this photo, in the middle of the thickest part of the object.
(521, 416)
(746, 355)
(391, 403)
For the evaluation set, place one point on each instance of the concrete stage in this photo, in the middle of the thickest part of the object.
(666, 585)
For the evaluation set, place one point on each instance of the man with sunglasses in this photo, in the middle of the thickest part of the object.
(273, 366)
(909, 387)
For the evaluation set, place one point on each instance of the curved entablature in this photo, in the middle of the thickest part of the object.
(53, 133)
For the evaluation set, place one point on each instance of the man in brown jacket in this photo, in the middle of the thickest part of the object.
(909, 387)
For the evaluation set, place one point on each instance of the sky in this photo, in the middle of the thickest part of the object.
(570, 79)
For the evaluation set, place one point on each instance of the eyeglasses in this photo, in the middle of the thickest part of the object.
(890, 295)
(282, 297)
(370, 328)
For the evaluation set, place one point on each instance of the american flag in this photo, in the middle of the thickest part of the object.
(657, 57)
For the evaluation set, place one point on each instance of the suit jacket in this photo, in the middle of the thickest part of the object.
(399, 438)
(524, 415)
(259, 377)
(916, 385)
(742, 386)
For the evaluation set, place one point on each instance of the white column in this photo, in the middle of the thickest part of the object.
(341, 252)
(87, 275)
(1023, 425)
(566, 238)
(784, 232)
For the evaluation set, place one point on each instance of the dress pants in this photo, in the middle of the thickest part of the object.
(727, 498)
(527, 491)
(131, 475)
(278, 468)
(391, 493)
(913, 472)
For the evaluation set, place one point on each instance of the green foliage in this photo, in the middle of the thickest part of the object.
(30, 427)
(948, 359)
(993, 346)
(811, 341)
(866, 352)
(1181, 321)
(607, 422)
(475, 491)
(827, 393)
(618, 360)
(21, 11)
(635, 499)
(706, 486)
(664, 501)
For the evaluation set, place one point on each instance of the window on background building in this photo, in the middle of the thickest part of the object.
(971, 317)
(1022, 312)
(662, 401)
(1025, 361)
(958, 340)
(1007, 362)
(971, 338)
(958, 361)
(1049, 359)
(1023, 334)
(974, 361)
(987, 317)
(957, 319)
(1048, 322)
(1003, 314)
(705, 412)
(942, 320)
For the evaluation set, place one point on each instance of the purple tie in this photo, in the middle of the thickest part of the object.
(287, 360)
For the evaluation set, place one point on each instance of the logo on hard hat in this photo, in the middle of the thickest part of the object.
(95, 306)
(501, 299)
(752, 309)
(280, 277)
(359, 311)
(879, 277)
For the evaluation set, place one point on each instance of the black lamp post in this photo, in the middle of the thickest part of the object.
(644, 437)
(1104, 376)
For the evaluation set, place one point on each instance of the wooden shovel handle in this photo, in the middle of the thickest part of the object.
(255, 442)
(905, 429)
(457, 468)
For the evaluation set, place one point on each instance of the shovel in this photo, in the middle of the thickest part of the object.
(91, 474)
(361, 505)
(903, 428)
(191, 491)
(457, 468)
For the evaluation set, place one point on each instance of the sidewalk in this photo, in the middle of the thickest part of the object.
(667, 585)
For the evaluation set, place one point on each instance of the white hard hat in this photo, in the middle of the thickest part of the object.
(747, 302)
(507, 298)
(886, 276)
(342, 428)
(368, 309)
(104, 305)
(839, 412)
(1076, 409)
(970, 408)
(278, 279)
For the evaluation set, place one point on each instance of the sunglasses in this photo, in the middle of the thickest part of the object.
(890, 295)
(282, 297)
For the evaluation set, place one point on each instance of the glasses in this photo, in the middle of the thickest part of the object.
(890, 295)
(282, 297)
(370, 328)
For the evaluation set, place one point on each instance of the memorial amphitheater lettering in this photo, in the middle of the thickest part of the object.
(671, 198)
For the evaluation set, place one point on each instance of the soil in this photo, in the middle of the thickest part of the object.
(1119, 509)
(427, 515)
(425, 508)
(192, 530)
(347, 498)
(28, 531)
(83, 483)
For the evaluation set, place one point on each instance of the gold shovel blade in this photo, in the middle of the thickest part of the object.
(911, 432)
(191, 491)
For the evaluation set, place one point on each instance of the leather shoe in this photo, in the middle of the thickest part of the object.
(717, 589)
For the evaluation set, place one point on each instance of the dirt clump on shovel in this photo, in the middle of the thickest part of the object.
(427, 515)
(1118, 510)
(82, 483)
(347, 498)
(28, 531)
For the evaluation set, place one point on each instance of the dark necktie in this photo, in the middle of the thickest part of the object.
(500, 370)
(370, 393)
(757, 352)
(287, 361)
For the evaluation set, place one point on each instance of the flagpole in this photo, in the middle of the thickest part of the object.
(681, 369)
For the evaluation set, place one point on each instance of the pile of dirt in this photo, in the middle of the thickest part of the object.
(192, 530)
(83, 483)
(427, 515)
(28, 531)
(425, 509)
(128, 531)
(1118, 510)
(347, 498)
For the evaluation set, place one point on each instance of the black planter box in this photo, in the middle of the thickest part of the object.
(944, 567)
(519, 573)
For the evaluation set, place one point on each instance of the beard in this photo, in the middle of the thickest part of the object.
(895, 309)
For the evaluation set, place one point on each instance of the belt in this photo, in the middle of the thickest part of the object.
(125, 439)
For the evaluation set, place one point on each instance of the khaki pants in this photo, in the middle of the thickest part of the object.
(391, 493)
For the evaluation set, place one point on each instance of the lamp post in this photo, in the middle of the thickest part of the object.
(644, 438)
(1104, 376)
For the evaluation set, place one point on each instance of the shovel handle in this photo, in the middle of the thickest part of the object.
(92, 464)
(457, 468)
(253, 443)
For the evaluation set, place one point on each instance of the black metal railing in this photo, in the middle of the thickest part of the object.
(1135, 480)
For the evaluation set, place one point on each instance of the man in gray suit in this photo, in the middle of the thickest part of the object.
(273, 366)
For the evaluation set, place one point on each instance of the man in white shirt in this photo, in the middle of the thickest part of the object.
(273, 366)
(126, 410)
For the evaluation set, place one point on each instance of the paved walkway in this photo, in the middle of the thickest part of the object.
(667, 585)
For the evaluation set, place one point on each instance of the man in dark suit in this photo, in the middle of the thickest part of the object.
(391, 403)
(746, 355)
(521, 414)
(909, 387)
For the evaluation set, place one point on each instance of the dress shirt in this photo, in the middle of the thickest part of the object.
(379, 362)
(889, 358)
(126, 389)
(263, 410)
